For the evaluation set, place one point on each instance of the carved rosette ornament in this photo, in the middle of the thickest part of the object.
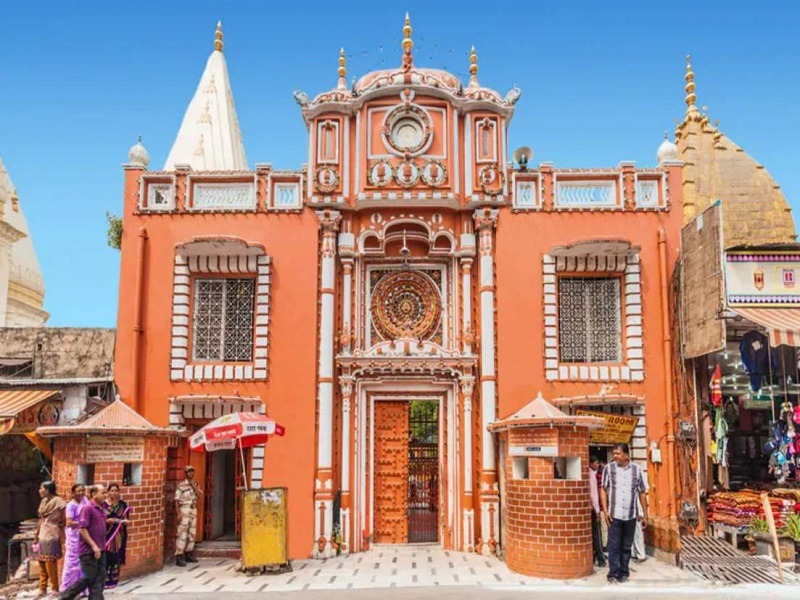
(407, 130)
(434, 173)
(492, 180)
(326, 179)
(380, 173)
(406, 173)
(406, 304)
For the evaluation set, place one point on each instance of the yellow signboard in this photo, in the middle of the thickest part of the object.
(101, 449)
(617, 429)
(264, 520)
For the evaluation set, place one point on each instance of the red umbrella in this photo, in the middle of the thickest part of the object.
(242, 430)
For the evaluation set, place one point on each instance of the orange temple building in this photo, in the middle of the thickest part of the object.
(389, 301)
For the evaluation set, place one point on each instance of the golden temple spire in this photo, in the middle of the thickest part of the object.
(473, 66)
(408, 44)
(691, 97)
(342, 69)
(218, 44)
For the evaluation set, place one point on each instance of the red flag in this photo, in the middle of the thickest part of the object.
(716, 387)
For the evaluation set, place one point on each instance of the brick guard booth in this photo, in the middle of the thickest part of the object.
(117, 445)
(547, 529)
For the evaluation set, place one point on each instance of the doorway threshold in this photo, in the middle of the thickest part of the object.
(218, 549)
(408, 545)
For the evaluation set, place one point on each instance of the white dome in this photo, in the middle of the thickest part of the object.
(138, 154)
(667, 151)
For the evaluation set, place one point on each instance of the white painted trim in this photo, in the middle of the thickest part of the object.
(144, 193)
(197, 187)
(275, 189)
(493, 154)
(181, 369)
(344, 176)
(358, 158)
(336, 142)
(632, 369)
(468, 155)
(456, 153)
(536, 187)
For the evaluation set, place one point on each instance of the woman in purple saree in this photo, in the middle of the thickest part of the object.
(72, 566)
(117, 512)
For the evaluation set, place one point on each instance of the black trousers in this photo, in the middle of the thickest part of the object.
(93, 578)
(620, 541)
(597, 541)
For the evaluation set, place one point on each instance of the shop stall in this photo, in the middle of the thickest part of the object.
(24, 458)
(749, 396)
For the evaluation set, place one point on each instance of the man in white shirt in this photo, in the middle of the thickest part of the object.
(597, 537)
(623, 481)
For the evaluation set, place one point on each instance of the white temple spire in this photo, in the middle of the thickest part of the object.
(209, 138)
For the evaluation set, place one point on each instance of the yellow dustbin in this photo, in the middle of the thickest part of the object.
(264, 524)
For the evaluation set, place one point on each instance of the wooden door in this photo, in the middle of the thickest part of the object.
(208, 504)
(391, 472)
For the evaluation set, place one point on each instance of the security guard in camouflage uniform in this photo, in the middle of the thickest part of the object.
(186, 496)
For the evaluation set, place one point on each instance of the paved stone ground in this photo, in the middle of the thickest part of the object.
(387, 567)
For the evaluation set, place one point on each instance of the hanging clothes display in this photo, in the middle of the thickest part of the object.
(716, 387)
(721, 433)
(755, 357)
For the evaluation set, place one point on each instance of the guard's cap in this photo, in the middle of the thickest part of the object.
(188, 468)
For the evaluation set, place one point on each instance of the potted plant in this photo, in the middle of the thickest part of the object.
(757, 529)
(792, 531)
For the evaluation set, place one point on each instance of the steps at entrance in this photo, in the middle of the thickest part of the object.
(217, 549)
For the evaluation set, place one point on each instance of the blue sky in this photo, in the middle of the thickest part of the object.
(601, 83)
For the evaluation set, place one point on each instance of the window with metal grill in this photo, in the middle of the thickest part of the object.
(589, 320)
(223, 320)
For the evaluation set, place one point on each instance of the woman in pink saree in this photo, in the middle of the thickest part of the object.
(72, 566)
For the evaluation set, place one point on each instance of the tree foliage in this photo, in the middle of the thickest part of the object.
(114, 234)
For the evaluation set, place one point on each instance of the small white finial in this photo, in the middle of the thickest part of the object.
(138, 155)
(667, 151)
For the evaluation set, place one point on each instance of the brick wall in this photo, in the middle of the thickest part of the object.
(174, 471)
(146, 531)
(547, 521)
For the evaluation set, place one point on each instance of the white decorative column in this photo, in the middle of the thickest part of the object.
(467, 336)
(468, 507)
(485, 222)
(347, 254)
(323, 488)
(346, 385)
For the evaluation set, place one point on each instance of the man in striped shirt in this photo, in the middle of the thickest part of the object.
(623, 481)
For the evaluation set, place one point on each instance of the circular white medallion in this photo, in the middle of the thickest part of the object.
(406, 134)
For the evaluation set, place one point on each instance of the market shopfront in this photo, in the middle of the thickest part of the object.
(24, 457)
(748, 396)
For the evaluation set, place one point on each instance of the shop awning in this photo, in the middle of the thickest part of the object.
(783, 324)
(599, 400)
(14, 402)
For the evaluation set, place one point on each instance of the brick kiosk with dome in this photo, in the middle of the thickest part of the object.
(117, 445)
(545, 480)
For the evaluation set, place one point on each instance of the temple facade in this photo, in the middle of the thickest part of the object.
(389, 301)
(21, 281)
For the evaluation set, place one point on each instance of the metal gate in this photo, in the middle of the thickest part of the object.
(423, 472)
